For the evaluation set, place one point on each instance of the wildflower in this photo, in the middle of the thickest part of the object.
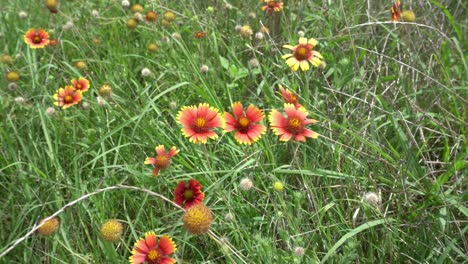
(254, 62)
(152, 47)
(23, 14)
(396, 10)
(289, 97)
(36, 38)
(81, 84)
(48, 227)
(199, 34)
(204, 68)
(111, 230)
(101, 101)
(151, 16)
(137, 8)
(293, 125)
(12, 76)
(197, 219)
(246, 184)
(145, 72)
(125, 3)
(52, 5)
(259, 35)
(69, 25)
(132, 23)
(301, 33)
(299, 251)
(372, 198)
(278, 186)
(162, 159)
(95, 13)
(67, 97)
(303, 54)
(20, 100)
(105, 90)
(189, 194)
(169, 16)
(245, 124)
(199, 121)
(150, 250)
(408, 16)
(245, 31)
(50, 111)
(272, 5)
(12, 86)
(6, 59)
(81, 65)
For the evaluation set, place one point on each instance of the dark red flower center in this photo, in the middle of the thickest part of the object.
(302, 51)
(78, 86)
(294, 125)
(68, 99)
(37, 39)
(162, 161)
(243, 124)
(200, 125)
(188, 194)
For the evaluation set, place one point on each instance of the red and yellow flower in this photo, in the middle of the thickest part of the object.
(81, 84)
(36, 38)
(245, 124)
(199, 121)
(289, 97)
(188, 195)
(303, 54)
(272, 5)
(67, 97)
(396, 10)
(293, 125)
(162, 159)
(199, 34)
(150, 250)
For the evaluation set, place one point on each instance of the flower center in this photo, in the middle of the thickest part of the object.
(68, 99)
(302, 52)
(79, 86)
(272, 4)
(243, 124)
(294, 125)
(152, 255)
(200, 125)
(37, 39)
(188, 194)
(162, 161)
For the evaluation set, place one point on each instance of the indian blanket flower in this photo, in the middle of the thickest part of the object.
(303, 54)
(293, 125)
(81, 84)
(150, 250)
(36, 39)
(199, 34)
(199, 122)
(272, 5)
(162, 159)
(289, 97)
(189, 194)
(396, 10)
(67, 97)
(245, 124)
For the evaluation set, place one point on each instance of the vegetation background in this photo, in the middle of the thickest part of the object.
(392, 106)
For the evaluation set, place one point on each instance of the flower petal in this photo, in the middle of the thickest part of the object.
(166, 246)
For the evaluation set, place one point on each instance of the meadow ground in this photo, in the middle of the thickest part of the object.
(384, 182)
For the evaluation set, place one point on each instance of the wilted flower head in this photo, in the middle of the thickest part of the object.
(95, 13)
(197, 219)
(188, 195)
(229, 217)
(238, 28)
(301, 33)
(259, 35)
(169, 16)
(396, 10)
(246, 31)
(372, 198)
(6, 59)
(20, 100)
(23, 14)
(252, 15)
(12, 86)
(52, 5)
(151, 16)
(105, 90)
(176, 35)
(81, 65)
(152, 47)
(132, 23)
(125, 3)
(254, 62)
(299, 251)
(137, 8)
(85, 105)
(138, 16)
(204, 68)
(228, 6)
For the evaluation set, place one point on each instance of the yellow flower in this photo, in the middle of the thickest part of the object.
(12, 76)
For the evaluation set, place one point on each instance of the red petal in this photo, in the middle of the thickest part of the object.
(166, 245)
(151, 240)
(254, 114)
(160, 150)
(237, 109)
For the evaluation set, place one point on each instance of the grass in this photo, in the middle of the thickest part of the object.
(391, 104)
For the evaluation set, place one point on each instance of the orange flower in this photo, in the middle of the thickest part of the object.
(162, 159)
(396, 10)
(149, 250)
(272, 5)
(66, 97)
(289, 97)
(245, 124)
(199, 122)
(151, 16)
(188, 195)
(81, 84)
(303, 54)
(200, 34)
(293, 125)
(36, 38)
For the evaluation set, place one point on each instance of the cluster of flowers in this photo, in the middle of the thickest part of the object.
(71, 94)
(150, 17)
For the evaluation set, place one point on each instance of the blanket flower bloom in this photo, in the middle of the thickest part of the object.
(188, 195)
(67, 97)
(199, 121)
(396, 11)
(303, 54)
(36, 39)
(289, 97)
(272, 5)
(150, 250)
(81, 84)
(245, 124)
(293, 125)
(162, 159)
